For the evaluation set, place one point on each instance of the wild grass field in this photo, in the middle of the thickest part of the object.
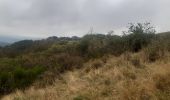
(127, 77)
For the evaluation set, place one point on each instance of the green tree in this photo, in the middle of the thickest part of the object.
(138, 36)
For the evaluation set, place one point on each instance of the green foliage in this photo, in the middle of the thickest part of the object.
(80, 97)
(18, 78)
(92, 45)
(97, 45)
(139, 36)
(158, 48)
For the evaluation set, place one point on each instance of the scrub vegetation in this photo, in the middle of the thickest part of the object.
(133, 66)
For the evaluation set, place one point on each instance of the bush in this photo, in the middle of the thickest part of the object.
(92, 46)
(18, 78)
(163, 85)
(97, 64)
(80, 97)
(155, 51)
(140, 35)
(68, 62)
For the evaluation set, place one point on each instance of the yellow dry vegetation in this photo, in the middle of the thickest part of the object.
(128, 77)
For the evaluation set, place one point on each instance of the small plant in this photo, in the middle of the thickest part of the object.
(97, 64)
(136, 62)
(129, 75)
(80, 97)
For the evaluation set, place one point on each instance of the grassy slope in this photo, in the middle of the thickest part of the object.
(126, 77)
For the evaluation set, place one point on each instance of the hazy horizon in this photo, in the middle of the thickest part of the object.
(36, 19)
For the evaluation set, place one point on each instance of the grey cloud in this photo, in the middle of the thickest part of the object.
(75, 17)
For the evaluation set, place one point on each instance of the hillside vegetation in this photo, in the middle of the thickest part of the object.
(134, 66)
(126, 77)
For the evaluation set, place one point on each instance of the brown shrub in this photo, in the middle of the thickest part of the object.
(155, 51)
(163, 82)
(68, 62)
(135, 62)
(136, 91)
(97, 64)
(129, 75)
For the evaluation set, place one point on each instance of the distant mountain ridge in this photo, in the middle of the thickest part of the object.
(2, 44)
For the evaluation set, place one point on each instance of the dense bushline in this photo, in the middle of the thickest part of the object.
(25, 61)
(14, 76)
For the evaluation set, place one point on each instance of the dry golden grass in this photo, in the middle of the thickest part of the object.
(126, 77)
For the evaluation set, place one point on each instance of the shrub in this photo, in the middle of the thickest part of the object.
(136, 62)
(140, 35)
(155, 51)
(80, 97)
(18, 78)
(67, 62)
(92, 46)
(97, 64)
(163, 85)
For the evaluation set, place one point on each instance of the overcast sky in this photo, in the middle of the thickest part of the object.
(43, 18)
